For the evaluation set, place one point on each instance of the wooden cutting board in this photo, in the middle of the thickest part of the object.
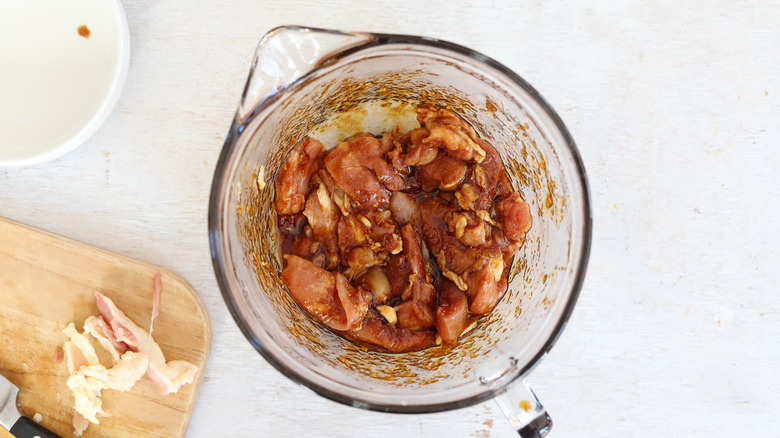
(47, 281)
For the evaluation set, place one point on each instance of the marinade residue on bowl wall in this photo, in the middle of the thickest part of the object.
(399, 242)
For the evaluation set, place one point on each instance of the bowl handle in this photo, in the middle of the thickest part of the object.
(524, 411)
(287, 54)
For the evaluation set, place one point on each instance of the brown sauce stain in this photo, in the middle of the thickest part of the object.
(84, 31)
(548, 201)
(349, 121)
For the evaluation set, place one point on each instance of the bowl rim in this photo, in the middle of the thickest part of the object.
(215, 222)
(119, 76)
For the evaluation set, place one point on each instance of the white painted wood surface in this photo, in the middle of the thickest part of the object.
(675, 107)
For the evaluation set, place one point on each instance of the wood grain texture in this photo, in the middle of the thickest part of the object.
(47, 282)
(674, 107)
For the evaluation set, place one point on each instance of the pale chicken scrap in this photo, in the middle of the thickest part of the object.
(168, 376)
(94, 326)
(88, 377)
(86, 385)
(80, 355)
(131, 349)
(99, 324)
(88, 382)
(130, 368)
(78, 350)
(79, 424)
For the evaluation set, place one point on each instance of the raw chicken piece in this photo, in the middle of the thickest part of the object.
(450, 132)
(416, 315)
(376, 332)
(405, 269)
(515, 214)
(452, 315)
(357, 181)
(359, 168)
(393, 146)
(412, 251)
(96, 327)
(78, 350)
(323, 216)
(450, 253)
(382, 231)
(397, 270)
(90, 379)
(419, 153)
(365, 239)
(351, 234)
(87, 378)
(168, 376)
(443, 173)
(316, 290)
(476, 271)
(86, 385)
(376, 282)
(79, 424)
(467, 196)
(354, 301)
(456, 143)
(405, 209)
(485, 285)
(508, 249)
(488, 177)
(416, 312)
(356, 255)
(361, 259)
(292, 183)
(321, 212)
(130, 368)
(375, 229)
(431, 116)
(469, 228)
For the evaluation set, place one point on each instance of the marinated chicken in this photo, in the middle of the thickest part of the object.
(399, 242)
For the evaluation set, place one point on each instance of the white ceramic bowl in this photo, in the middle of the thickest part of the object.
(57, 86)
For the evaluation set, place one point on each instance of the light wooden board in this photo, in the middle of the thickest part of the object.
(46, 282)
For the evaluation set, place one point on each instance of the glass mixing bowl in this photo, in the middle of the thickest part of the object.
(331, 85)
